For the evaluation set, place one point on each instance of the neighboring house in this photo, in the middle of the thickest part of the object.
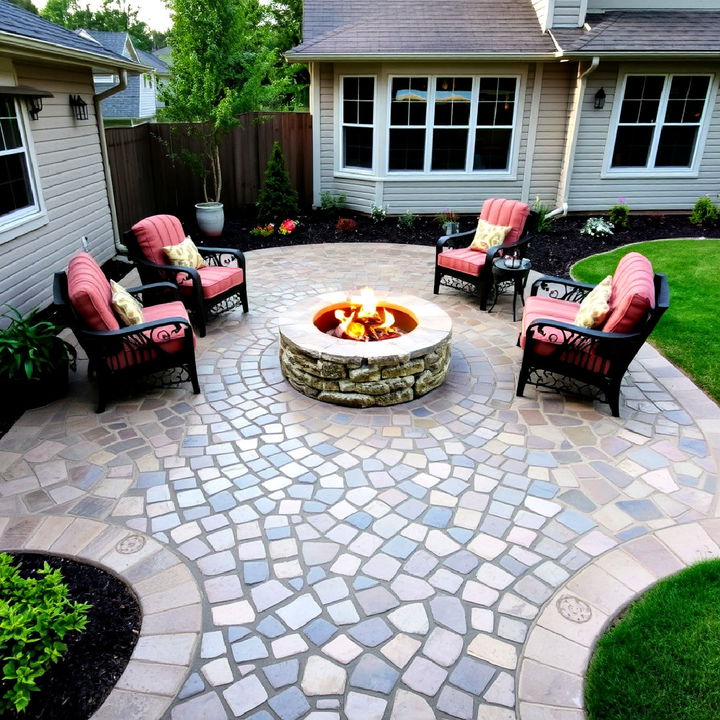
(138, 102)
(54, 177)
(421, 106)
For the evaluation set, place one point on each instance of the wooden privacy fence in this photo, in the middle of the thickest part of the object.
(146, 181)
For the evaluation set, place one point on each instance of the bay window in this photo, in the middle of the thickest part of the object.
(358, 111)
(659, 121)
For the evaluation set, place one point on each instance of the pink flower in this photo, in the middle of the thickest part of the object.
(287, 226)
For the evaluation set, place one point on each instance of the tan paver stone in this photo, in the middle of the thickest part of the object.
(400, 649)
(218, 672)
(690, 543)
(661, 479)
(546, 508)
(410, 618)
(103, 543)
(549, 648)
(469, 519)
(612, 518)
(119, 561)
(627, 569)
(342, 649)
(173, 649)
(479, 594)
(112, 487)
(409, 705)
(77, 536)
(496, 652)
(529, 711)
(235, 613)
(653, 555)
(592, 620)
(289, 569)
(122, 704)
(521, 536)
(187, 618)
(323, 677)
(493, 712)
(288, 645)
(185, 532)
(595, 543)
(440, 543)
(443, 499)
(49, 530)
(178, 596)
(487, 546)
(151, 677)
(129, 507)
(543, 684)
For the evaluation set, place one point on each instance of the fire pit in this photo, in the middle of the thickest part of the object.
(400, 348)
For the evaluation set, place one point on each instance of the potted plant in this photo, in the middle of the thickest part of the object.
(34, 361)
(448, 220)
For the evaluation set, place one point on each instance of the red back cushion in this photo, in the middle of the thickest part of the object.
(633, 294)
(90, 293)
(499, 211)
(156, 232)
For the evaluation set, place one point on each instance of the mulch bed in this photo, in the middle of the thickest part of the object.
(81, 680)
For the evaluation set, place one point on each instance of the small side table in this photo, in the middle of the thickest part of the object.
(505, 276)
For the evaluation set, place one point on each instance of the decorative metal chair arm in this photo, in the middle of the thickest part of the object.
(450, 240)
(560, 288)
(222, 256)
(566, 335)
(144, 334)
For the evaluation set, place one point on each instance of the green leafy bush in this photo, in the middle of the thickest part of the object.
(35, 616)
(30, 346)
(330, 202)
(407, 220)
(705, 211)
(619, 215)
(378, 213)
(278, 198)
(544, 223)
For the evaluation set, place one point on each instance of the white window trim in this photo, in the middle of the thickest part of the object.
(662, 172)
(25, 220)
(383, 87)
(350, 170)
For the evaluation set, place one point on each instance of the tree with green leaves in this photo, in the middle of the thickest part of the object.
(25, 5)
(222, 65)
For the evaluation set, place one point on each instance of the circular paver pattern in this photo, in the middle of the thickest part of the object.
(376, 563)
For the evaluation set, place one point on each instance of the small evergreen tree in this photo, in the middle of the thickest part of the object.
(278, 199)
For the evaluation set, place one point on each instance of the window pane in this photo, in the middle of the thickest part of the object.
(452, 101)
(366, 88)
(9, 130)
(350, 88)
(365, 112)
(407, 150)
(350, 111)
(15, 191)
(632, 145)
(358, 147)
(409, 101)
(676, 146)
(449, 149)
(642, 99)
(496, 102)
(492, 149)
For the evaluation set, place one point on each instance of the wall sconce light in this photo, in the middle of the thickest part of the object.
(599, 99)
(34, 106)
(79, 107)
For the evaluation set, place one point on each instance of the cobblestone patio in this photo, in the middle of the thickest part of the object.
(452, 557)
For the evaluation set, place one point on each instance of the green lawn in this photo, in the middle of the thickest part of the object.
(661, 661)
(689, 332)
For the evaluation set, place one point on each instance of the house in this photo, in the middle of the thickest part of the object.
(138, 102)
(421, 106)
(56, 189)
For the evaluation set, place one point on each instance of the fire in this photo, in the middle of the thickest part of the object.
(363, 320)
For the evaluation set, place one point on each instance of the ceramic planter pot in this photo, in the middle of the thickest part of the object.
(210, 218)
(42, 390)
(452, 228)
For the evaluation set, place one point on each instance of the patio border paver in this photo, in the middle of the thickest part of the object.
(166, 590)
(561, 641)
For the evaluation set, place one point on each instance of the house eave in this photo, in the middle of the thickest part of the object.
(644, 55)
(30, 48)
(417, 57)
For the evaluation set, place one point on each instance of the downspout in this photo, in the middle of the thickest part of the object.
(572, 135)
(97, 99)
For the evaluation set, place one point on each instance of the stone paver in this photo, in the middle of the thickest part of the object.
(455, 556)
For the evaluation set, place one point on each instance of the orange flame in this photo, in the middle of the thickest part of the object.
(364, 320)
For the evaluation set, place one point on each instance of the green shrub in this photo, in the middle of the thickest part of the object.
(330, 202)
(35, 615)
(619, 215)
(407, 220)
(544, 223)
(378, 213)
(278, 199)
(704, 212)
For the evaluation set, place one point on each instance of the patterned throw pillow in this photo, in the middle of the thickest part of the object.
(128, 309)
(488, 235)
(185, 254)
(594, 308)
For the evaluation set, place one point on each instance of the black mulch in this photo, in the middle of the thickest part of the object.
(76, 686)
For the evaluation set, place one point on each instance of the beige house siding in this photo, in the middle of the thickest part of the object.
(594, 6)
(590, 189)
(568, 13)
(551, 131)
(541, 10)
(72, 185)
(424, 195)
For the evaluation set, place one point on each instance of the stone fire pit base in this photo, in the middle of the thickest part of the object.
(346, 372)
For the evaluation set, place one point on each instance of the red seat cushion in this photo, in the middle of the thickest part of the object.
(215, 280)
(156, 232)
(633, 294)
(537, 308)
(168, 337)
(90, 293)
(464, 260)
(512, 213)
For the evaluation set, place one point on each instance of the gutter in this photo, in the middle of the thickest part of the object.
(572, 134)
(97, 99)
(390, 57)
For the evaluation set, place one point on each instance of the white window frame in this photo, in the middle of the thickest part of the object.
(427, 173)
(692, 171)
(341, 125)
(23, 220)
